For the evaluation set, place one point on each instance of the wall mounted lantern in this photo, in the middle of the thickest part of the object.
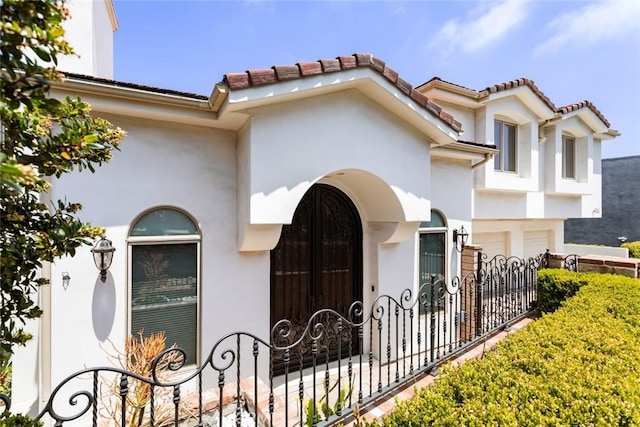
(65, 279)
(102, 256)
(460, 238)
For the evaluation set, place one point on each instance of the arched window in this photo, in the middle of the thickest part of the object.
(164, 248)
(432, 251)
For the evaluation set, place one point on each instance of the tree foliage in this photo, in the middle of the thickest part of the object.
(41, 138)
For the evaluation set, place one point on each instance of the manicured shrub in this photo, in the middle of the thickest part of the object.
(18, 420)
(634, 248)
(577, 366)
(555, 286)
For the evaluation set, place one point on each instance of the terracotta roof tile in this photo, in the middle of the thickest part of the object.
(390, 74)
(310, 68)
(364, 59)
(287, 72)
(517, 83)
(330, 65)
(418, 97)
(435, 108)
(278, 73)
(261, 77)
(378, 64)
(347, 62)
(584, 104)
(528, 82)
(404, 85)
(238, 80)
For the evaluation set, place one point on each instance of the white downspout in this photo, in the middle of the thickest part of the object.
(487, 157)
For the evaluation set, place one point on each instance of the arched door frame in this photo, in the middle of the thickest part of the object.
(317, 258)
(317, 263)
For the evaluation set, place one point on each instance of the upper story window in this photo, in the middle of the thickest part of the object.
(505, 140)
(164, 250)
(568, 157)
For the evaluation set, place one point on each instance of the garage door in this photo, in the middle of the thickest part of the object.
(492, 243)
(536, 242)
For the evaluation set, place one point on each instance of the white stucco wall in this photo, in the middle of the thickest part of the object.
(186, 167)
(343, 139)
(512, 110)
(467, 118)
(316, 137)
(587, 185)
(90, 33)
(451, 188)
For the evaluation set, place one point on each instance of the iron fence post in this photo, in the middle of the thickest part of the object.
(479, 285)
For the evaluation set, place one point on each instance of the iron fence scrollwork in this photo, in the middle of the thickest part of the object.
(332, 363)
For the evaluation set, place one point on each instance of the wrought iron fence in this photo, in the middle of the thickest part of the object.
(334, 366)
(570, 262)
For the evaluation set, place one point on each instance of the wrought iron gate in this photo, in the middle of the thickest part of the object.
(317, 265)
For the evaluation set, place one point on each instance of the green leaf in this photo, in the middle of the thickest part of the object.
(91, 138)
(42, 54)
(95, 146)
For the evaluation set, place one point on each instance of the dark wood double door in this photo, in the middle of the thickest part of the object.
(317, 264)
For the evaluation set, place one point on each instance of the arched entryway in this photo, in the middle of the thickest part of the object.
(317, 262)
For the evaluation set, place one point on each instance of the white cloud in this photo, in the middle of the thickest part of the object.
(601, 21)
(482, 28)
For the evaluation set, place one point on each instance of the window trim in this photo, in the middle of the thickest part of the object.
(573, 139)
(500, 155)
(434, 230)
(163, 240)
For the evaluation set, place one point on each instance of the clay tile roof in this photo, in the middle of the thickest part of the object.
(584, 104)
(517, 83)
(278, 73)
(116, 83)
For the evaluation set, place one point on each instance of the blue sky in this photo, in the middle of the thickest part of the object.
(572, 50)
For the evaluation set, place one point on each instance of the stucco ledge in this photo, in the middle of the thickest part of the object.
(259, 237)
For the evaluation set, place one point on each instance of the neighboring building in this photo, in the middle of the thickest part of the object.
(299, 187)
(620, 207)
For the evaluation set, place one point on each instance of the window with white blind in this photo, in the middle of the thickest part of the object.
(568, 157)
(164, 250)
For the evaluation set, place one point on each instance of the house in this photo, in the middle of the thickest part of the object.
(548, 168)
(294, 188)
(620, 204)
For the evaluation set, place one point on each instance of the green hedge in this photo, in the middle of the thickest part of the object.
(18, 420)
(634, 248)
(578, 366)
(555, 286)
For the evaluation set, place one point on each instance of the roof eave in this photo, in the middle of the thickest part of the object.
(459, 150)
(369, 83)
(527, 96)
(111, 98)
(608, 135)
